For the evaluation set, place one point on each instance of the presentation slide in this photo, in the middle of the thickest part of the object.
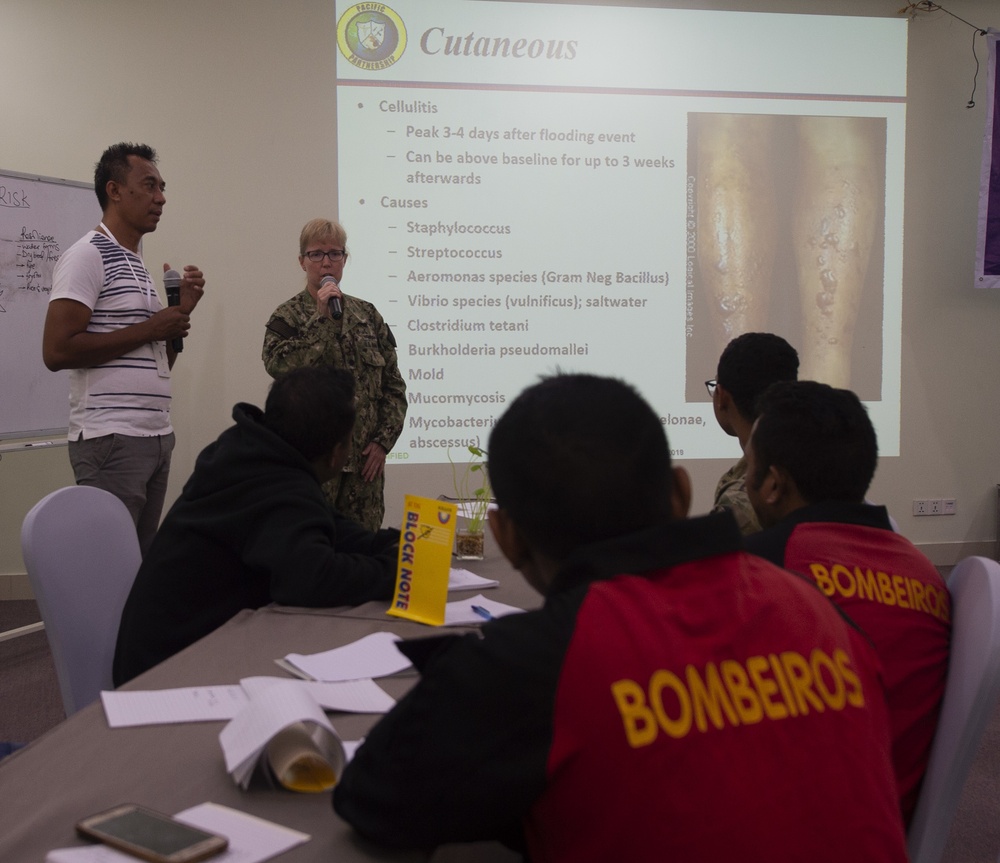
(532, 188)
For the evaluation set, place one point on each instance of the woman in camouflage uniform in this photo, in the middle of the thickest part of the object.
(304, 332)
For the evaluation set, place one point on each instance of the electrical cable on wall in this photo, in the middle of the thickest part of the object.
(912, 9)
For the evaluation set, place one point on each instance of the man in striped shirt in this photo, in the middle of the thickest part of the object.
(105, 323)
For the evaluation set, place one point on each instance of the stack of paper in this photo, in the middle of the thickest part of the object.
(374, 655)
(462, 579)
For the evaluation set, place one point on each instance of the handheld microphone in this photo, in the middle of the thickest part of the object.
(172, 285)
(336, 310)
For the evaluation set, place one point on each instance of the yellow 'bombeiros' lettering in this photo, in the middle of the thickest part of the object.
(733, 694)
(709, 697)
(640, 724)
(842, 580)
(876, 586)
(866, 584)
(855, 695)
(745, 698)
(767, 688)
(831, 686)
(661, 680)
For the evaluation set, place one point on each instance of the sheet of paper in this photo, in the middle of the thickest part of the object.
(463, 612)
(91, 854)
(348, 696)
(350, 747)
(462, 579)
(213, 703)
(269, 711)
(374, 655)
(251, 839)
(167, 706)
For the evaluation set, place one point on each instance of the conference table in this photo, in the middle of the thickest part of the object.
(83, 766)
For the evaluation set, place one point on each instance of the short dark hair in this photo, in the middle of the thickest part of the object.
(113, 165)
(821, 436)
(752, 362)
(312, 409)
(578, 458)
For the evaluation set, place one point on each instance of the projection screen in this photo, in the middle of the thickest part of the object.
(537, 187)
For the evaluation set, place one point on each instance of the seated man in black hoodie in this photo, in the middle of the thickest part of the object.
(252, 526)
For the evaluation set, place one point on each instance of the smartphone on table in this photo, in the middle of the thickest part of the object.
(151, 835)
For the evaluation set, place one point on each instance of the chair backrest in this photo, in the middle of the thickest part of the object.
(82, 554)
(969, 698)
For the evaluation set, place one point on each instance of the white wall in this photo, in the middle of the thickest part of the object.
(237, 97)
(950, 409)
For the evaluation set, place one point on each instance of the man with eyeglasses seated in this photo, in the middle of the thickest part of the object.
(748, 366)
(321, 325)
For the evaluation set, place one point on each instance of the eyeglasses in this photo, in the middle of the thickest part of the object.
(710, 386)
(334, 255)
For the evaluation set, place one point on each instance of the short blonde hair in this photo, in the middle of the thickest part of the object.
(322, 229)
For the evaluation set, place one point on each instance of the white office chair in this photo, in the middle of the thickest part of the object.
(82, 554)
(969, 699)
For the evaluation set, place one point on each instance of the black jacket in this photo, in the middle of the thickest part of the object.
(251, 527)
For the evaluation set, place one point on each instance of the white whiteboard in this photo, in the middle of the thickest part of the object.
(40, 217)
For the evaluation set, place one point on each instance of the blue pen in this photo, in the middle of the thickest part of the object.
(484, 613)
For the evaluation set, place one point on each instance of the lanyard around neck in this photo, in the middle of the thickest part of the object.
(145, 287)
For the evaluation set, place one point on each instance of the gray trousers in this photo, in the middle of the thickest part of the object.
(133, 469)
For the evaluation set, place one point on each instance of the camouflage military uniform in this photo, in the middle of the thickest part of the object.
(363, 343)
(731, 494)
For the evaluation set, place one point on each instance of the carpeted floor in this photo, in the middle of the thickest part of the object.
(30, 703)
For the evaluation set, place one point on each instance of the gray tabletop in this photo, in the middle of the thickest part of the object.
(82, 766)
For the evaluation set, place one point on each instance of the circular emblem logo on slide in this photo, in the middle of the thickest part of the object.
(371, 36)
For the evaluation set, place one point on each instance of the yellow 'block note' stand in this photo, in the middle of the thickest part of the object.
(428, 534)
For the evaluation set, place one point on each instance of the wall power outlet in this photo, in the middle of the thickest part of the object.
(934, 506)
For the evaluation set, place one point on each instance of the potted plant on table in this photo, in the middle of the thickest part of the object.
(474, 495)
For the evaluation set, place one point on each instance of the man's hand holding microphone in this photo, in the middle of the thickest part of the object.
(183, 294)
